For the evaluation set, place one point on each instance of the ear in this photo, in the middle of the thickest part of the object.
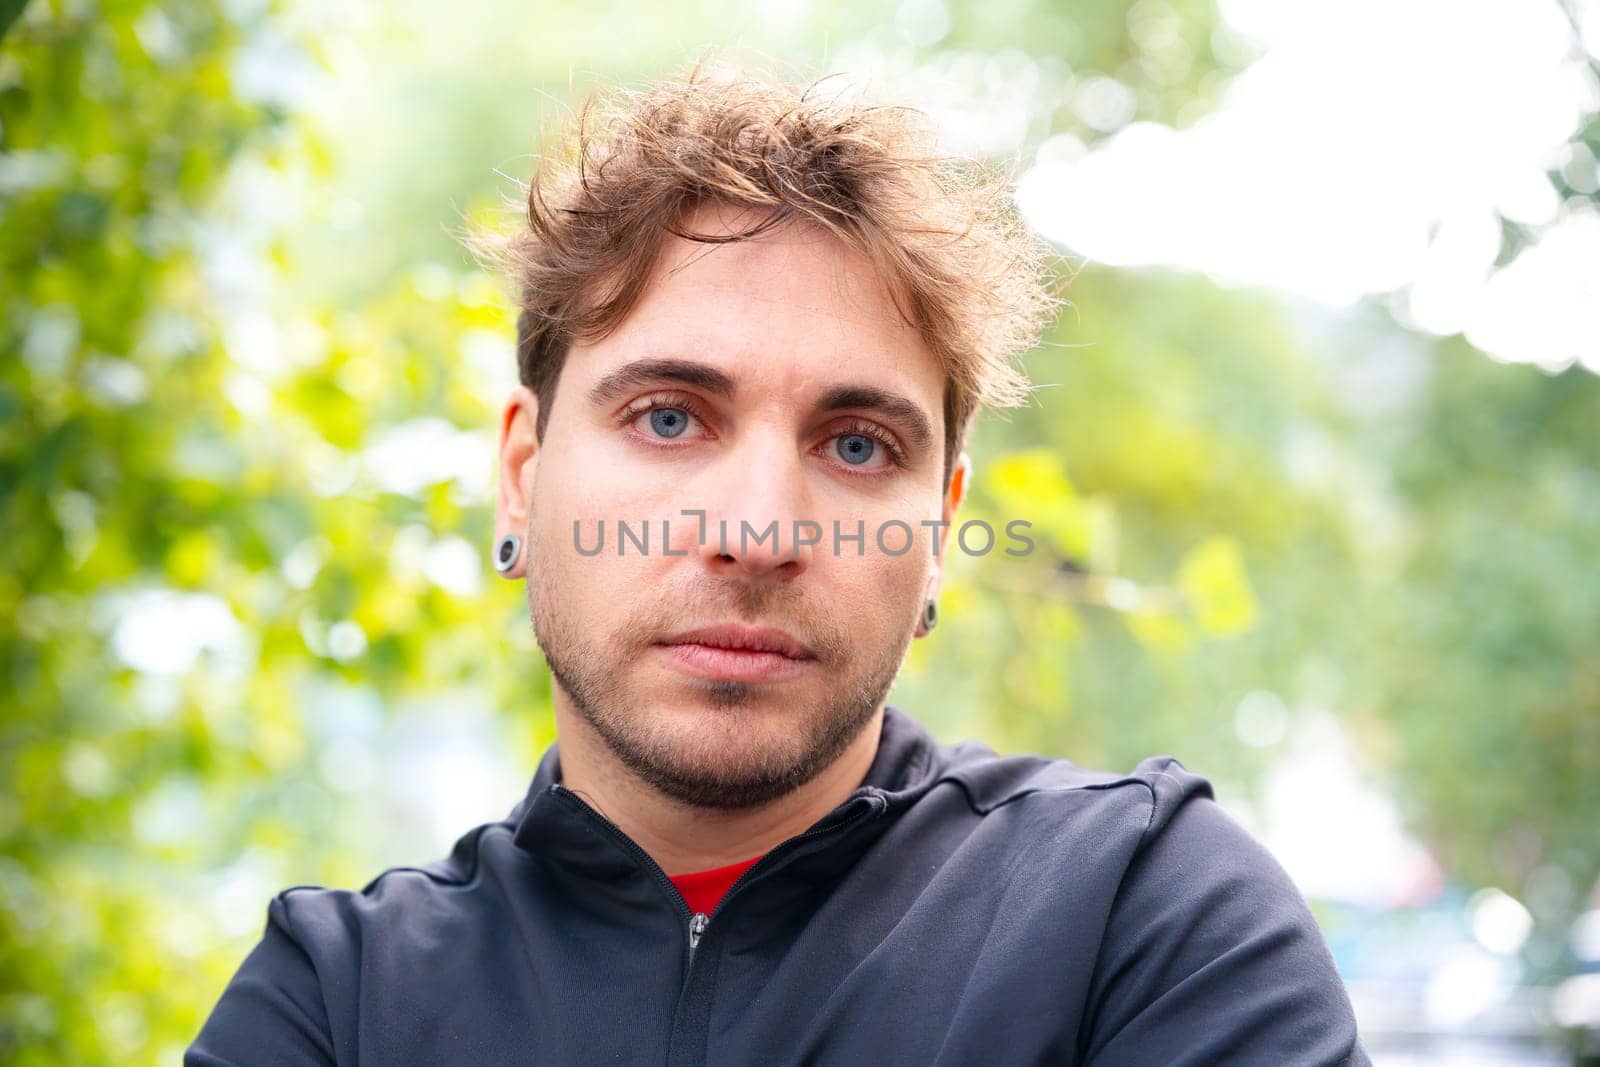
(957, 493)
(954, 495)
(519, 462)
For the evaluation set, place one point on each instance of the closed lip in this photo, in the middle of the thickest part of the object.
(745, 639)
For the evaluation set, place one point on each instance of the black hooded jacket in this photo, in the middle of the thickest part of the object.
(958, 908)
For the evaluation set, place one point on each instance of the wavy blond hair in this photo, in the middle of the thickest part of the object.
(630, 167)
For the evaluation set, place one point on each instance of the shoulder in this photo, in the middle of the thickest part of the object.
(1172, 853)
(1209, 952)
(293, 999)
(1206, 950)
(1075, 830)
(1146, 798)
(402, 903)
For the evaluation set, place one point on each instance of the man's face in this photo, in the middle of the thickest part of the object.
(761, 381)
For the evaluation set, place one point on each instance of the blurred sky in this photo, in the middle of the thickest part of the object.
(1373, 147)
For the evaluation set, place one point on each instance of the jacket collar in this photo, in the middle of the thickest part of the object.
(550, 822)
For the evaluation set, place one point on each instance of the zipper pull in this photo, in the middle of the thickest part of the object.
(697, 926)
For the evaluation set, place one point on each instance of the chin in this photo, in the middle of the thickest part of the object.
(748, 733)
(719, 756)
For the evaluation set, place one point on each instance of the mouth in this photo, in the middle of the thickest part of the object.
(738, 653)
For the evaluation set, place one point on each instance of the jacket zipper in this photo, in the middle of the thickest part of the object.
(687, 1045)
(696, 922)
(697, 927)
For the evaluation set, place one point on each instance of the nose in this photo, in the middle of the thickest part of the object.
(758, 522)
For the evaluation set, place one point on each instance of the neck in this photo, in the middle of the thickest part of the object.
(682, 838)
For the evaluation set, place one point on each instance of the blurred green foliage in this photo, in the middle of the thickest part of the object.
(230, 577)
(141, 504)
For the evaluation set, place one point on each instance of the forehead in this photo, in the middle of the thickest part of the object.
(791, 311)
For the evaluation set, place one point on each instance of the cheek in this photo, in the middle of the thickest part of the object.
(578, 480)
(573, 514)
(899, 547)
(884, 589)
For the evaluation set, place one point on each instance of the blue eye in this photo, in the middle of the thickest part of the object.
(856, 448)
(669, 422)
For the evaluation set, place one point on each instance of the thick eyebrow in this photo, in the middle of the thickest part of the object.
(910, 416)
(659, 371)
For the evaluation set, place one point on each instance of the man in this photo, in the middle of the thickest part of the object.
(749, 307)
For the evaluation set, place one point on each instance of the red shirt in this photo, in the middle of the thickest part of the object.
(704, 890)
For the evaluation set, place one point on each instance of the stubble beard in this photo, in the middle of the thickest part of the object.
(734, 761)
